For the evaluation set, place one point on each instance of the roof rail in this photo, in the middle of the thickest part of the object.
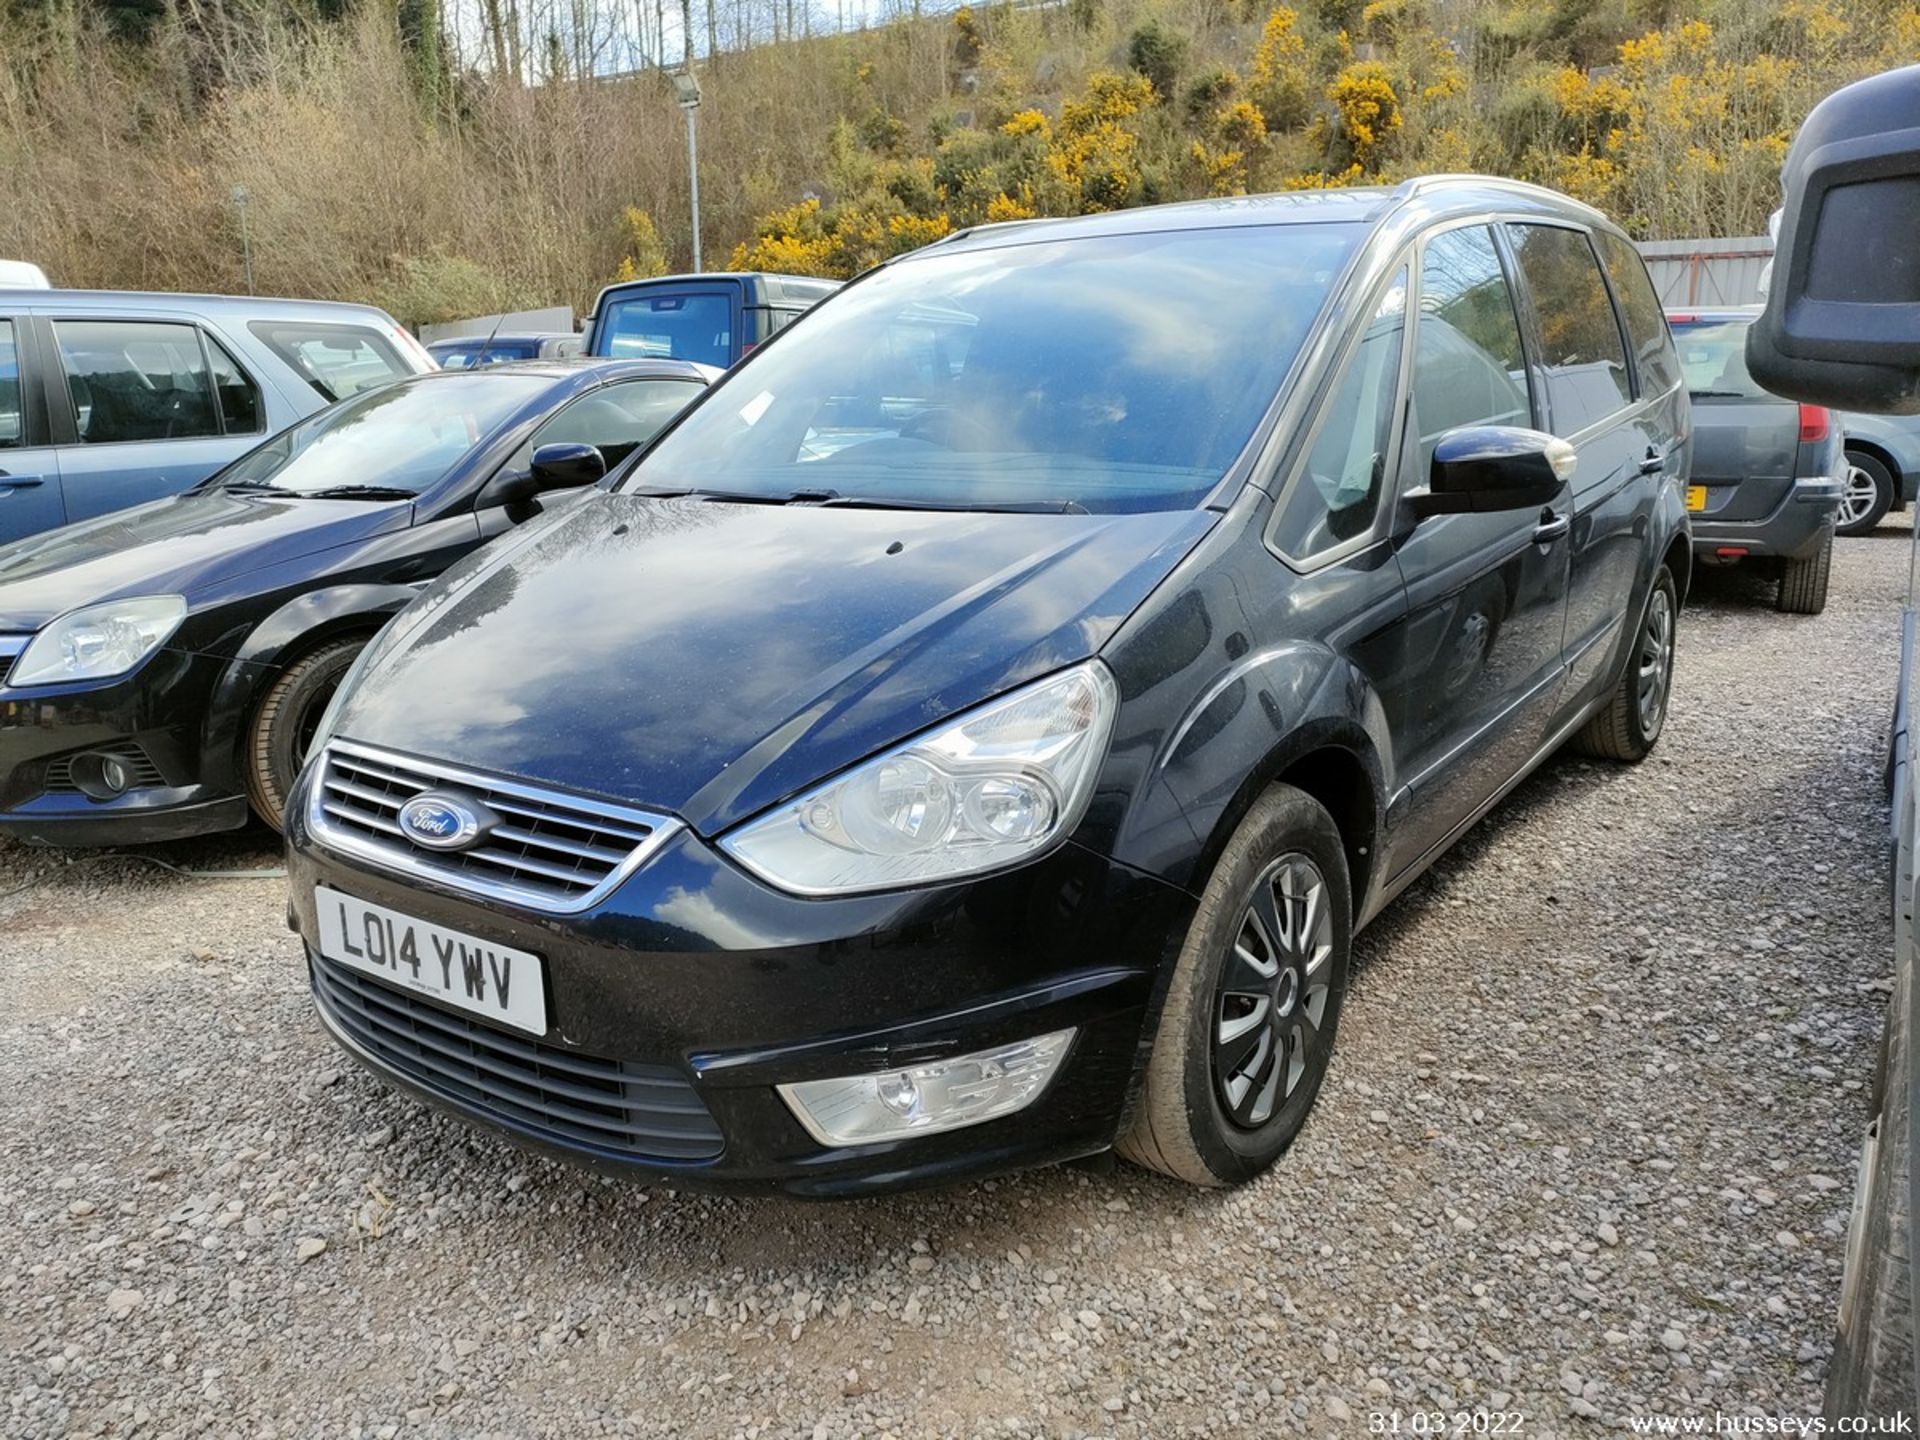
(1419, 183)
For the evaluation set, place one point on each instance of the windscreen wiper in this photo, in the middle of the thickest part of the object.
(356, 492)
(1016, 507)
(833, 498)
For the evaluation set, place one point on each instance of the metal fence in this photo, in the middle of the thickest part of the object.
(1708, 272)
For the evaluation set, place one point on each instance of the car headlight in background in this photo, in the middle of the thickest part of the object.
(995, 785)
(99, 642)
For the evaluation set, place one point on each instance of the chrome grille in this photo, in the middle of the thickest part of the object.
(58, 779)
(11, 649)
(551, 851)
(642, 1112)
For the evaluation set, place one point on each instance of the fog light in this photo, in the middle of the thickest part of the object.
(926, 1099)
(100, 775)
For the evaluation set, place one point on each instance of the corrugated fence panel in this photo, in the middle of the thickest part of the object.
(1708, 272)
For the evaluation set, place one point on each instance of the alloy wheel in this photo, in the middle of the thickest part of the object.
(1271, 1001)
(1655, 661)
(1861, 494)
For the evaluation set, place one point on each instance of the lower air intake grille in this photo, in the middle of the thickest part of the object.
(549, 851)
(59, 775)
(641, 1112)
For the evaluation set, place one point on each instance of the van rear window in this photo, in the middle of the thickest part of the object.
(669, 326)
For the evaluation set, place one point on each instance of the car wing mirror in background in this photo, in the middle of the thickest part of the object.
(1495, 467)
(1841, 325)
(554, 467)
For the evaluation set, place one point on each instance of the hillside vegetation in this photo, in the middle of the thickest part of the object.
(379, 165)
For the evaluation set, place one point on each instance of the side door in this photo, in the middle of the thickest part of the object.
(1486, 593)
(1584, 374)
(30, 498)
(143, 408)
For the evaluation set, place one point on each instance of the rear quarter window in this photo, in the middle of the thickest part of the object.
(336, 360)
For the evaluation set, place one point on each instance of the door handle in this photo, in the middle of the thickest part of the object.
(1551, 527)
(10, 483)
(1655, 461)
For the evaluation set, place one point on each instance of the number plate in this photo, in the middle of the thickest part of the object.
(495, 982)
(1696, 497)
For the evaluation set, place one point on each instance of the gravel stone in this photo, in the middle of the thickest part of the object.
(1612, 1001)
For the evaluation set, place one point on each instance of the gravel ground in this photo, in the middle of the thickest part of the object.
(1585, 1152)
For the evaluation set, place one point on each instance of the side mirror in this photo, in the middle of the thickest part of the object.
(555, 467)
(1841, 325)
(1495, 467)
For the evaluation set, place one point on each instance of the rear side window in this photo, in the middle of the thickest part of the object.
(336, 360)
(1646, 324)
(1581, 353)
(676, 327)
(136, 380)
(1338, 496)
(616, 420)
(240, 410)
(12, 423)
(1468, 366)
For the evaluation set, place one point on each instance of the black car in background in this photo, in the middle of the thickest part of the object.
(1768, 474)
(163, 668)
(1003, 777)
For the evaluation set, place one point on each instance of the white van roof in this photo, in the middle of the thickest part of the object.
(22, 275)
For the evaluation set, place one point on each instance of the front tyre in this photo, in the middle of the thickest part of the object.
(284, 725)
(1251, 1012)
(1627, 726)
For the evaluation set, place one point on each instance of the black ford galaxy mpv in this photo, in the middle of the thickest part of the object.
(973, 735)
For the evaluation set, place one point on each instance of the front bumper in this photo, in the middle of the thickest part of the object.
(155, 717)
(1795, 529)
(694, 979)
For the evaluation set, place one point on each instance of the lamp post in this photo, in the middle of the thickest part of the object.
(686, 88)
(240, 198)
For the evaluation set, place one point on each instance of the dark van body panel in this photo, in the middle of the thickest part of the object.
(757, 306)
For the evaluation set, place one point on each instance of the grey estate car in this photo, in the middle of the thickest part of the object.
(111, 398)
(1767, 473)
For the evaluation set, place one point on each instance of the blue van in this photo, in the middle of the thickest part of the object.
(110, 398)
(711, 319)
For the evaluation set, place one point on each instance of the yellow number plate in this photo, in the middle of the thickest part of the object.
(1696, 497)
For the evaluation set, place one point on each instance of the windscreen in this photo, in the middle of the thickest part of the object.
(402, 437)
(1116, 373)
(657, 325)
(1713, 357)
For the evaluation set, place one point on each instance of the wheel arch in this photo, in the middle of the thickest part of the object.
(1334, 762)
(282, 637)
(1679, 563)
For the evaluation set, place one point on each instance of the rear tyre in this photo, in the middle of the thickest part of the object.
(1803, 583)
(1250, 1015)
(1869, 494)
(1631, 721)
(284, 725)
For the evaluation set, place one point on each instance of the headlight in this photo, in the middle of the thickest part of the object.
(99, 642)
(997, 785)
